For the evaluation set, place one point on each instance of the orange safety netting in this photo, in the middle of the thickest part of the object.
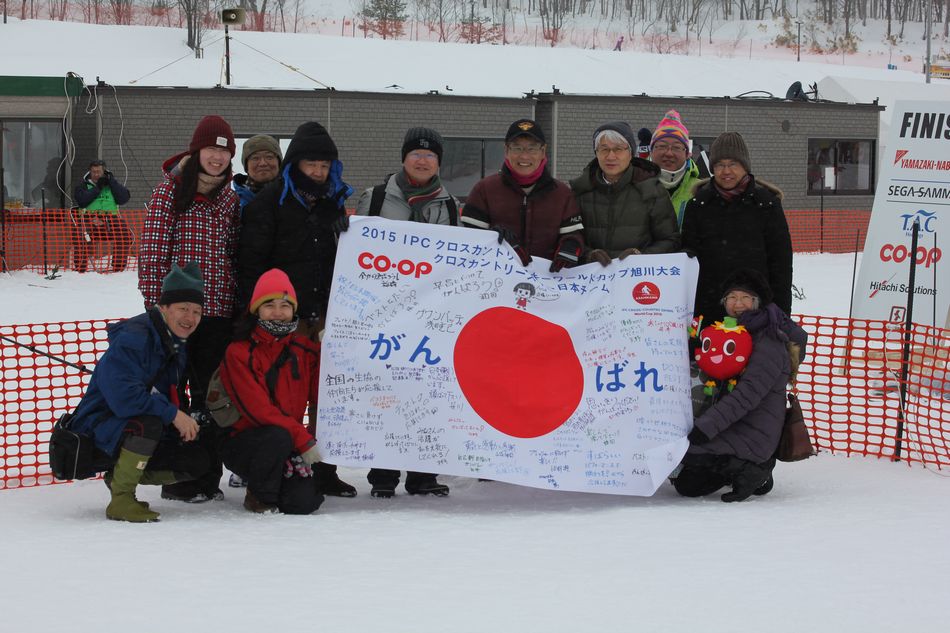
(849, 385)
(64, 239)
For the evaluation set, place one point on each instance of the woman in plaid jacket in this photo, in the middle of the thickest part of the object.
(194, 215)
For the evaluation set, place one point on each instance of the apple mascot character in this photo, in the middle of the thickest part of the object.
(723, 353)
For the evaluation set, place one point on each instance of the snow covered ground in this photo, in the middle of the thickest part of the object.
(841, 544)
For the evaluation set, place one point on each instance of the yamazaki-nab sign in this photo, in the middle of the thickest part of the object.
(912, 189)
(444, 354)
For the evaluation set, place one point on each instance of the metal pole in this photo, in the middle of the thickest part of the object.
(33, 349)
(821, 215)
(905, 353)
(799, 41)
(227, 57)
(930, 12)
(3, 216)
(43, 220)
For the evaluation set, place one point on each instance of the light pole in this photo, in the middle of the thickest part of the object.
(799, 56)
(930, 12)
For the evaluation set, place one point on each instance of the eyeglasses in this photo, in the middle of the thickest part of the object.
(672, 148)
(616, 151)
(262, 157)
(422, 155)
(526, 149)
(726, 166)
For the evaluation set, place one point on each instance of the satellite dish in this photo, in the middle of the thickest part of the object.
(796, 93)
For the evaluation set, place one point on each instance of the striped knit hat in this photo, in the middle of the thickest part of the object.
(671, 127)
(274, 284)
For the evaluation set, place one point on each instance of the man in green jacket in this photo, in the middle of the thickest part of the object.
(98, 197)
(670, 150)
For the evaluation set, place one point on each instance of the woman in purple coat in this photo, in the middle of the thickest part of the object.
(733, 442)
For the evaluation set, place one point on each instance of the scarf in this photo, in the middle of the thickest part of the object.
(671, 179)
(731, 194)
(530, 179)
(279, 329)
(418, 196)
(309, 188)
(769, 318)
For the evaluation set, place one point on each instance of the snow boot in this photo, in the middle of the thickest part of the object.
(427, 486)
(126, 475)
(765, 488)
(107, 479)
(335, 487)
(253, 504)
(383, 491)
(747, 478)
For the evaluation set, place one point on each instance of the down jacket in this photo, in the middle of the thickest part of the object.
(141, 351)
(747, 422)
(636, 212)
(270, 380)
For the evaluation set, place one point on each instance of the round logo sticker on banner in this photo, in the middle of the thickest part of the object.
(519, 372)
(646, 293)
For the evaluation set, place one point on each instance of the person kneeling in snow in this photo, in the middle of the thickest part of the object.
(733, 442)
(131, 407)
(270, 373)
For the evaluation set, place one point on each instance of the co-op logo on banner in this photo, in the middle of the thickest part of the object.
(899, 253)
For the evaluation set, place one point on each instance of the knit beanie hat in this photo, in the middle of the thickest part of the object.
(525, 127)
(730, 146)
(274, 284)
(422, 138)
(748, 280)
(671, 127)
(620, 128)
(311, 141)
(212, 131)
(261, 142)
(183, 285)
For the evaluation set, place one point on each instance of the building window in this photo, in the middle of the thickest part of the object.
(702, 144)
(32, 161)
(837, 167)
(465, 161)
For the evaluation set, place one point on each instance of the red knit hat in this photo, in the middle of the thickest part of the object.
(274, 284)
(212, 131)
(671, 127)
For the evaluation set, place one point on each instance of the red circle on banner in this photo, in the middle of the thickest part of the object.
(646, 293)
(519, 372)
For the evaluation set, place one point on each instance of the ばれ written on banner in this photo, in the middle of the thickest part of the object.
(443, 354)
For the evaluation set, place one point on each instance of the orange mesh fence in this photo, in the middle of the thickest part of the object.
(830, 231)
(66, 239)
(38, 389)
(849, 385)
(860, 402)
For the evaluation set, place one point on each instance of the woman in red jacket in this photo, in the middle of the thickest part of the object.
(271, 375)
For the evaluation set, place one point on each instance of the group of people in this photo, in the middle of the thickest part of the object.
(235, 271)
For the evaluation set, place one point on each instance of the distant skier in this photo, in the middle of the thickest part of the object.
(619, 45)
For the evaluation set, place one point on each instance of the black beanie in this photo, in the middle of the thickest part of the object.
(749, 280)
(620, 128)
(183, 285)
(422, 138)
(311, 141)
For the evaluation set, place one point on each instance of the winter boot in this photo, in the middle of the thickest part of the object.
(427, 486)
(253, 504)
(748, 477)
(383, 491)
(125, 477)
(765, 488)
(336, 487)
(107, 479)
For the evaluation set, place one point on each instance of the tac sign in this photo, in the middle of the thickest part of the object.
(724, 349)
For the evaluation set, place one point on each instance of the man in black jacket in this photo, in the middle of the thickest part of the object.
(289, 225)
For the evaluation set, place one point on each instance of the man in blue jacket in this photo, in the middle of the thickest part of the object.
(98, 197)
(131, 406)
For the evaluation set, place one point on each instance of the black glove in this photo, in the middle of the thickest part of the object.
(341, 224)
(505, 235)
(103, 182)
(569, 251)
(690, 253)
(696, 436)
(598, 255)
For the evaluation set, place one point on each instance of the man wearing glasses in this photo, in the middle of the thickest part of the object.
(669, 148)
(98, 197)
(536, 214)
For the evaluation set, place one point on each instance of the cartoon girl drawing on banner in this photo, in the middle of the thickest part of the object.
(523, 292)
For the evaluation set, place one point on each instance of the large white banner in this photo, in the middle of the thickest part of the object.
(913, 186)
(443, 354)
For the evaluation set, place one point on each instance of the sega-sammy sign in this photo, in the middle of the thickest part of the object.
(908, 193)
